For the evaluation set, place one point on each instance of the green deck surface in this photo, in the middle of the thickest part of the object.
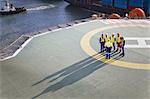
(54, 66)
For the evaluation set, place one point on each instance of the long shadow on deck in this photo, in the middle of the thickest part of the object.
(73, 73)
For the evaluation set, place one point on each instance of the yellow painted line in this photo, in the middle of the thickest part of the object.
(85, 45)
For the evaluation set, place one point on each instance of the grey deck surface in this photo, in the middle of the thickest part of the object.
(54, 66)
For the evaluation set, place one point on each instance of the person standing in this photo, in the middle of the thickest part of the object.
(102, 43)
(108, 46)
(118, 42)
(112, 40)
(122, 46)
(106, 38)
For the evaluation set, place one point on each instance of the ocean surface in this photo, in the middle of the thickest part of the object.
(40, 14)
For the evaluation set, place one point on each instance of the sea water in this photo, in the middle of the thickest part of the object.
(40, 14)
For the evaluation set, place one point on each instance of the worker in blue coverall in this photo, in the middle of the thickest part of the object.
(108, 46)
(102, 43)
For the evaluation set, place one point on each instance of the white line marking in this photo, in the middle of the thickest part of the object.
(21, 48)
(104, 21)
(146, 21)
(136, 46)
(112, 21)
(137, 38)
(141, 42)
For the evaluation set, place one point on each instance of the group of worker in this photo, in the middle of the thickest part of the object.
(108, 43)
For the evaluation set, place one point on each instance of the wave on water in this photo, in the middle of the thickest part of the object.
(41, 7)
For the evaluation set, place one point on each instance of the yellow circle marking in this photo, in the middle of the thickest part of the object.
(85, 45)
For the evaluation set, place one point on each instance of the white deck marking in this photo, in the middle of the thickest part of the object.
(104, 21)
(141, 42)
(146, 21)
(112, 21)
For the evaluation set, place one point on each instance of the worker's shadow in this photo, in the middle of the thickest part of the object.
(74, 73)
